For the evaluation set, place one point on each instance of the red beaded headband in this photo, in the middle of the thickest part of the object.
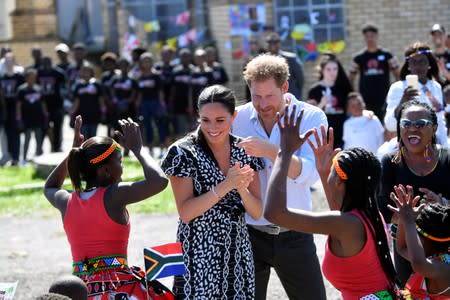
(104, 155)
(338, 168)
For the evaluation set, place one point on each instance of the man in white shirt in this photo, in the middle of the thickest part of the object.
(292, 254)
(360, 131)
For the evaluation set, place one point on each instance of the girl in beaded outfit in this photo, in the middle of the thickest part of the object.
(423, 238)
(95, 217)
(357, 259)
(420, 162)
(214, 183)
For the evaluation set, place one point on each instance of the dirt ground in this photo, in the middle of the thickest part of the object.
(35, 251)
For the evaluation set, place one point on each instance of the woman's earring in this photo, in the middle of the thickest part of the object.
(427, 153)
(398, 155)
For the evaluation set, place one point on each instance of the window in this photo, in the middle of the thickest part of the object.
(315, 21)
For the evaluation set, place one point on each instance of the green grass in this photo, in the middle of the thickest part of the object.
(10, 176)
(18, 201)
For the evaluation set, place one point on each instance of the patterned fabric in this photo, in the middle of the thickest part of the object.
(416, 288)
(216, 246)
(101, 263)
(119, 283)
(384, 295)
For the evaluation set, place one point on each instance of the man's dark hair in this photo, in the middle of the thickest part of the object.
(369, 28)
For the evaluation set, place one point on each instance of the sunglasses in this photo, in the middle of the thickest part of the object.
(421, 123)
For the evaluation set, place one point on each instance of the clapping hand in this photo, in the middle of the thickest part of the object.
(405, 204)
(239, 177)
(290, 139)
(323, 152)
(130, 137)
(78, 138)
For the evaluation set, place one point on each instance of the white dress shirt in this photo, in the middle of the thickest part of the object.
(395, 95)
(247, 124)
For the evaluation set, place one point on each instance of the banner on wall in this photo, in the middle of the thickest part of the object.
(245, 20)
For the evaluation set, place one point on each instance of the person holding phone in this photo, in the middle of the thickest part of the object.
(420, 61)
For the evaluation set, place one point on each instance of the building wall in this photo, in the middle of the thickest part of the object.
(400, 23)
(33, 23)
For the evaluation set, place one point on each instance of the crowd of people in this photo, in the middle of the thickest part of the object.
(241, 176)
(157, 93)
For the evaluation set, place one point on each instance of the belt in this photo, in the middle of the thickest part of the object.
(269, 229)
(99, 263)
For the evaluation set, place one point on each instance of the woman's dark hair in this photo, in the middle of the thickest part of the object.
(417, 47)
(434, 220)
(412, 103)
(363, 170)
(80, 169)
(218, 94)
(342, 80)
(214, 94)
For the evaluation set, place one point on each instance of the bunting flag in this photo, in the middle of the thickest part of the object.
(183, 18)
(172, 42)
(163, 261)
(152, 26)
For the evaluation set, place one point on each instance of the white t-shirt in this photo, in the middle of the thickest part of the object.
(363, 132)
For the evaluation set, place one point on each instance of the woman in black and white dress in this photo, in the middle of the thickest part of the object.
(214, 183)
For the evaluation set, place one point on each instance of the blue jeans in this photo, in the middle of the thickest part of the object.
(38, 135)
(152, 111)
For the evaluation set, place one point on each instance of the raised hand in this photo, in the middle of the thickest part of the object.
(323, 152)
(431, 197)
(405, 209)
(78, 138)
(290, 139)
(130, 137)
(409, 93)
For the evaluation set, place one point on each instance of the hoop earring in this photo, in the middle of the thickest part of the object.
(398, 155)
(427, 152)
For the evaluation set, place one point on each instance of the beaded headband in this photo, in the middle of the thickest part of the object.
(338, 168)
(436, 239)
(104, 155)
(418, 52)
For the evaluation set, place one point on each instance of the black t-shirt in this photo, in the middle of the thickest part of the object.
(165, 74)
(393, 174)
(220, 76)
(123, 87)
(374, 78)
(149, 87)
(31, 104)
(106, 79)
(181, 82)
(334, 110)
(89, 94)
(9, 85)
(199, 80)
(51, 82)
